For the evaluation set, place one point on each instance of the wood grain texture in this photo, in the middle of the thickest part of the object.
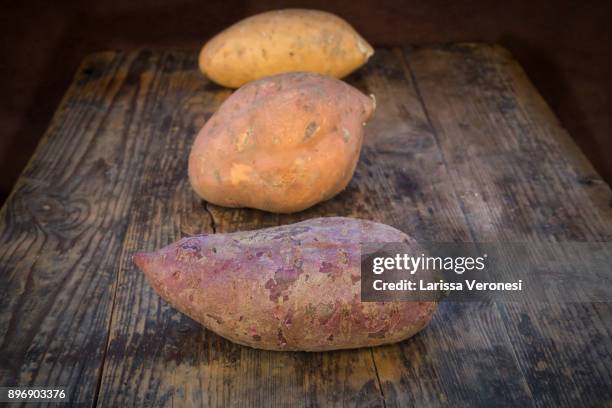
(461, 148)
(470, 362)
(519, 178)
(62, 229)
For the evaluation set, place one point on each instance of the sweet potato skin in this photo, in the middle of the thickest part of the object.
(294, 287)
(283, 41)
(281, 144)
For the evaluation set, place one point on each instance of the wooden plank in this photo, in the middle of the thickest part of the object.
(519, 178)
(63, 226)
(156, 356)
(464, 357)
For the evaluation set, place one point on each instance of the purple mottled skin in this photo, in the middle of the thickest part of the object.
(293, 287)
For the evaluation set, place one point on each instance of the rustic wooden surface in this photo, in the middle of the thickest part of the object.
(462, 148)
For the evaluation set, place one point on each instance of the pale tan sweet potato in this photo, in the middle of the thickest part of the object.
(294, 287)
(283, 41)
(281, 144)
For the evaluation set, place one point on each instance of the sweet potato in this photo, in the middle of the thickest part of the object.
(283, 41)
(294, 287)
(280, 144)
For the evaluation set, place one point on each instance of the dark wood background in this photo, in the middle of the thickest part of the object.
(563, 45)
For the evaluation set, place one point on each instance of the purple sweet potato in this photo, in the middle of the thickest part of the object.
(293, 287)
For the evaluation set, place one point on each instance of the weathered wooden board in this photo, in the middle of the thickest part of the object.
(519, 178)
(461, 148)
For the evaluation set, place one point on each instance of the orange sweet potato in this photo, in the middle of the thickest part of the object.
(281, 144)
(283, 41)
(294, 287)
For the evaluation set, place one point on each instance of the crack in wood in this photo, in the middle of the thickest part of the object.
(380, 386)
(213, 224)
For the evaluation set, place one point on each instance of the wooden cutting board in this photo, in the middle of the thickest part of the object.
(461, 148)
